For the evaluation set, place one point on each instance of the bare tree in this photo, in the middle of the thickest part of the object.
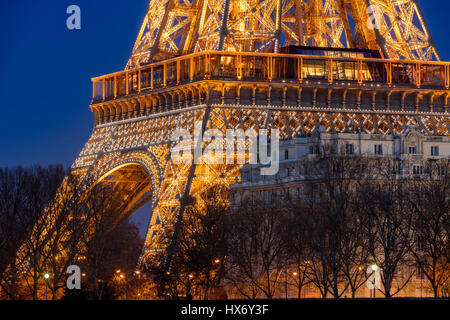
(204, 239)
(257, 252)
(388, 223)
(30, 191)
(334, 230)
(107, 242)
(198, 262)
(296, 244)
(429, 199)
(12, 218)
(47, 224)
(64, 237)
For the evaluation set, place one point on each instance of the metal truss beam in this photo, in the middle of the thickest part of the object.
(173, 27)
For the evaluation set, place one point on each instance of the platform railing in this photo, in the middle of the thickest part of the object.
(269, 67)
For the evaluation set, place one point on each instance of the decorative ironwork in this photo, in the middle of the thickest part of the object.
(174, 27)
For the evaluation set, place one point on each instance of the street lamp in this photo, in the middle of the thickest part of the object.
(374, 268)
(297, 276)
(46, 277)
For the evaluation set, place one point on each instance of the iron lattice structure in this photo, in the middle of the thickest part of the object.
(174, 27)
(218, 63)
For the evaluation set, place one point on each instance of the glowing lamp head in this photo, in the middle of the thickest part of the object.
(46, 276)
(374, 267)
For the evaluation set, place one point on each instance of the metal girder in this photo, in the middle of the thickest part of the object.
(173, 27)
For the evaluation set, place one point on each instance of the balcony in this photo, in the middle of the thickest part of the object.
(267, 67)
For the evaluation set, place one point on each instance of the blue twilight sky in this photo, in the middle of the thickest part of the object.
(45, 70)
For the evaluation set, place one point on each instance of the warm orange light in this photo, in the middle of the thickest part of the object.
(217, 261)
(191, 276)
(121, 276)
(117, 271)
(83, 274)
(138, 272)
(295, 273)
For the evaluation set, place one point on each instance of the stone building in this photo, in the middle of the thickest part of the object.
(410, 150)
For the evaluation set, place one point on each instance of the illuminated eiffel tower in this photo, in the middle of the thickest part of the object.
(295, 65)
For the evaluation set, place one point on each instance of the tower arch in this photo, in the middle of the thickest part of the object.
(138, 170)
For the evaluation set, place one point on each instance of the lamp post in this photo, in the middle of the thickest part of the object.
(374, 269)
(122, 277)
(285, 283)
(188, 287)
(297, 275)
(46, 277)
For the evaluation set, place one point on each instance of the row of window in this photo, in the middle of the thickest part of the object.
(377, 149)
(268, 196)
(288, 172)
(417, 169)
(434, 150)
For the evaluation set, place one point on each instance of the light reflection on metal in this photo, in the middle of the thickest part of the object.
(174, 27)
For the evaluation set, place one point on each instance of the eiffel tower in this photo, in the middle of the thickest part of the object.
(294, 65)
